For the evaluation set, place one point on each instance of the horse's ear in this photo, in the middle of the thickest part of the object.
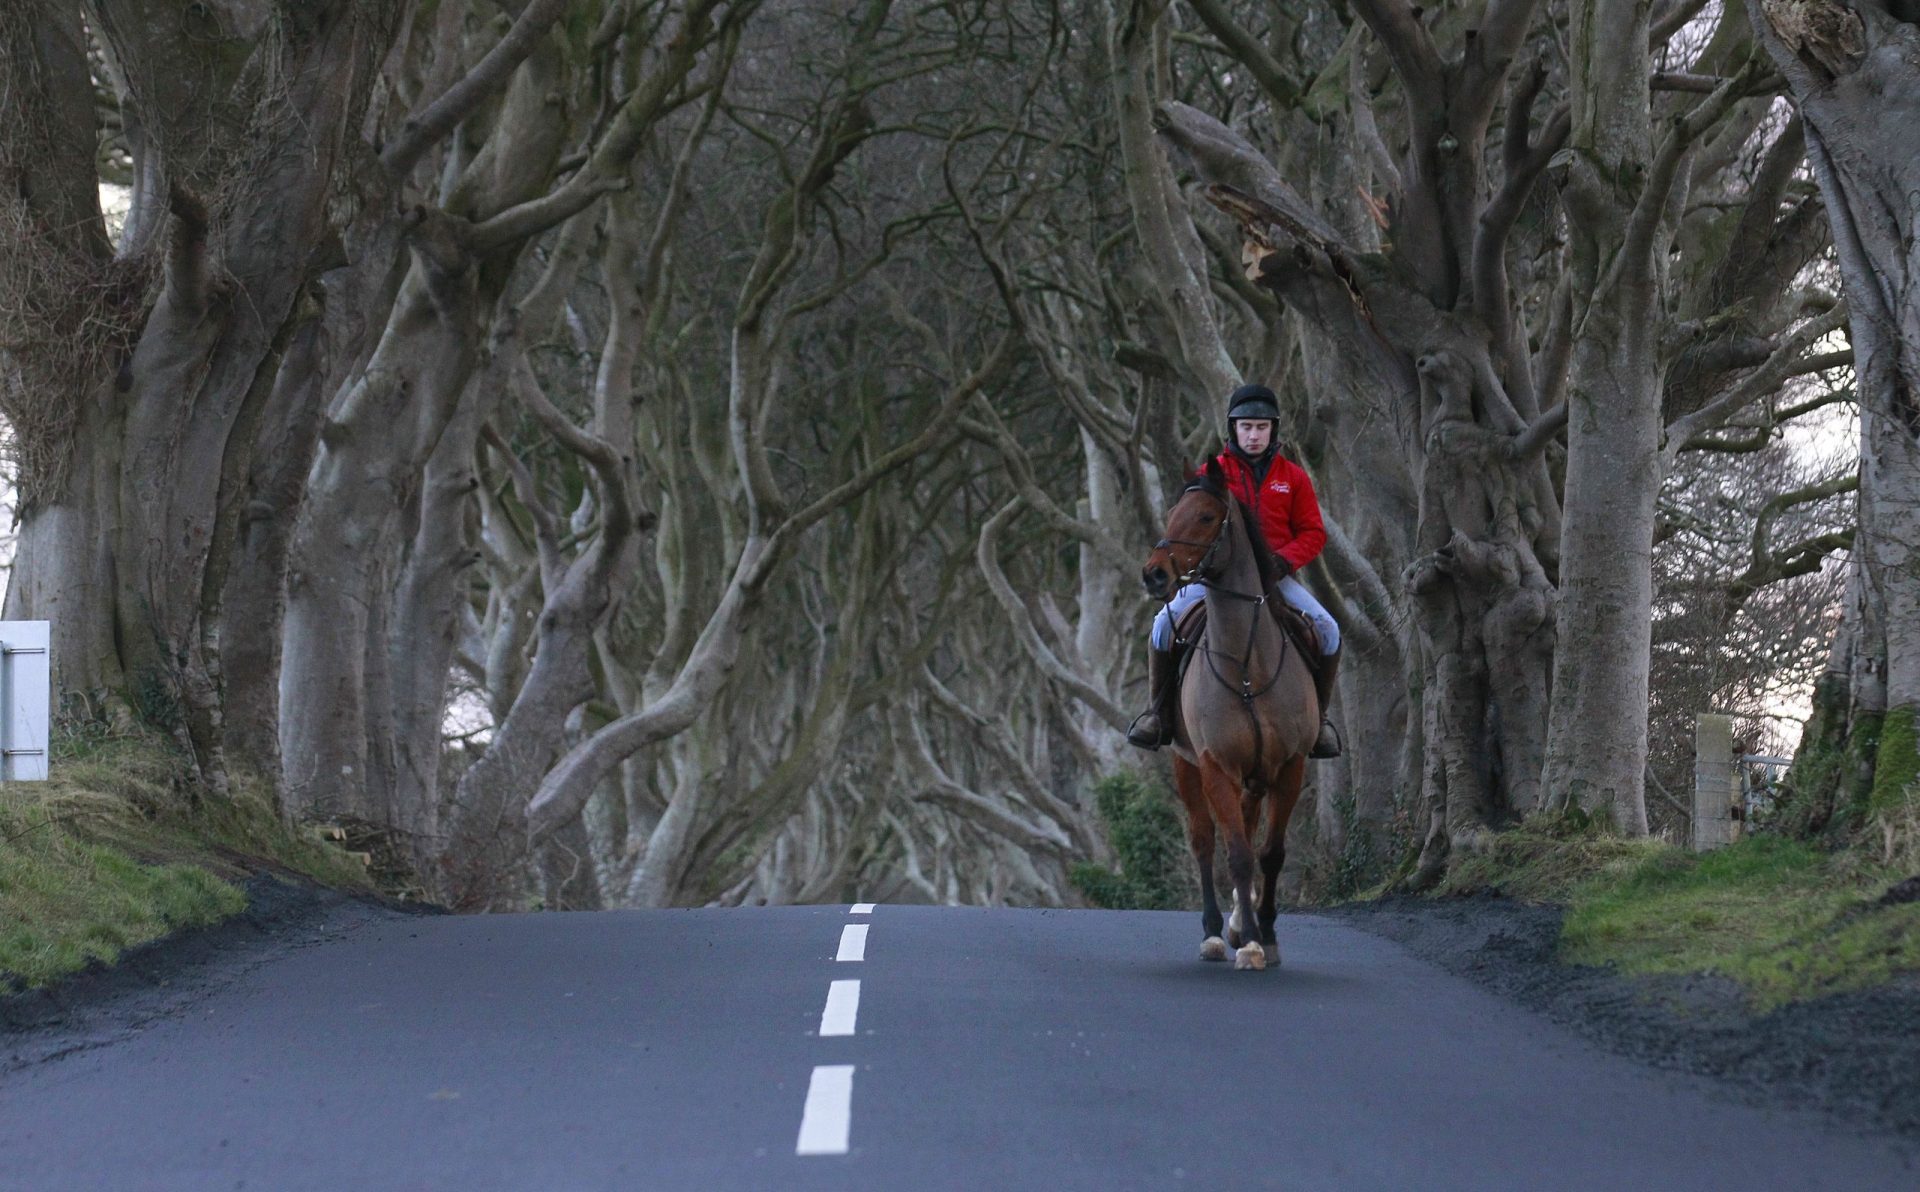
(1215, 473)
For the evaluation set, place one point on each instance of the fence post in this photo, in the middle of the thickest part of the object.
(1715, 781)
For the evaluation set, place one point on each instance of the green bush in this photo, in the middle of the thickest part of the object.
(1149, 838)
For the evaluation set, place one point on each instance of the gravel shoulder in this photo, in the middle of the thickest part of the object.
(1855, 1056)
(166, 977)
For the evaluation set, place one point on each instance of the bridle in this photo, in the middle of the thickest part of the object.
(1203, 566)
(1201, 573)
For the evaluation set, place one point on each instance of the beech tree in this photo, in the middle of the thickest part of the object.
(1855, 79)
(139, 371)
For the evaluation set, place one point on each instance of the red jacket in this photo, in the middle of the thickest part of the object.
(1284, 505)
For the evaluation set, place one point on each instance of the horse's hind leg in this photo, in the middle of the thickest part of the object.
(1223, 796)
(1186, 780)
(1273, 853)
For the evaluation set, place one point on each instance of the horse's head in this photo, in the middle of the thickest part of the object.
(1196, 529)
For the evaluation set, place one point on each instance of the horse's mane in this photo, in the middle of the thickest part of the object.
(1262, 553)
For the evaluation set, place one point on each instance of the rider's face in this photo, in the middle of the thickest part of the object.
(1253, 434)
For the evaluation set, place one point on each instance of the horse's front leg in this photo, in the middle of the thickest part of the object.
(1273, 853)
(1223, 797)
(1240, 919)
(1186, 781)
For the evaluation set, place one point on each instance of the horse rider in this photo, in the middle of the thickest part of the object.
(1281, 497)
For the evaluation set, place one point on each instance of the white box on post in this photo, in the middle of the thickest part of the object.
(26, 698)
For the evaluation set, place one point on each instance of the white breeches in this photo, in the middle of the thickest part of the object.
(1292, 591)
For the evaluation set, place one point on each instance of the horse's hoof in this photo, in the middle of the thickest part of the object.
(1234, 938)
(1253, 956)
(1214, 949)
(1273, 954)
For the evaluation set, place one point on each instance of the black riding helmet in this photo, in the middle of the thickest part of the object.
(1252, 401)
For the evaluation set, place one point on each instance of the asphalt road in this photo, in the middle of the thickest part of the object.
(988, 1050)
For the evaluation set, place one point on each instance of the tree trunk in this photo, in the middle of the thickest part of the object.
(121, 529)
(255, 604)
(64, 573)
(373, 448)
(1597, 753)
(1484, 607)
(1597, 737)
(1854, 69)
(427, 600)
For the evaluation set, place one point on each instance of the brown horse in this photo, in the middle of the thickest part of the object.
(1248, 714)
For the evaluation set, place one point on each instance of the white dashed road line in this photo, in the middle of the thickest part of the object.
(853, 942)
(828, 1117)
(843, 1007)
(827, 1120)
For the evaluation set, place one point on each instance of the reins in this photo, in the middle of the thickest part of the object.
(1197, 574)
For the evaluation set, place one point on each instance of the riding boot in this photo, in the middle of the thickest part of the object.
(1154, 727)
(1329, 743)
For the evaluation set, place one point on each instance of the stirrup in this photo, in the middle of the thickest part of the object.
(1328, 743)
(1139, 736)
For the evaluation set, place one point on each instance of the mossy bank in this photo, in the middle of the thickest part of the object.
(1787, 920)
(120, 847)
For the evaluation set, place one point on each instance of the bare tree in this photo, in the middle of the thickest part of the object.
(1853, 74)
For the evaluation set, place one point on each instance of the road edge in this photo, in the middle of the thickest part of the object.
(1852, 1056)
(164, 977)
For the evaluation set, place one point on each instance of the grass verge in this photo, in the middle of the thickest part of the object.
(1786, 920)
(118, 848)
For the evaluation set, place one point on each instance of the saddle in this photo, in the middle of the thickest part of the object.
(1292, 622)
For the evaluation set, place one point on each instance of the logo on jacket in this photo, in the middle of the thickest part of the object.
(1279, 486)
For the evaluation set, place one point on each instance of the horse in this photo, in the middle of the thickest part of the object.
(1247, 710)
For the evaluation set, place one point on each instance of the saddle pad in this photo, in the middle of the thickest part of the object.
(1187, 629)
